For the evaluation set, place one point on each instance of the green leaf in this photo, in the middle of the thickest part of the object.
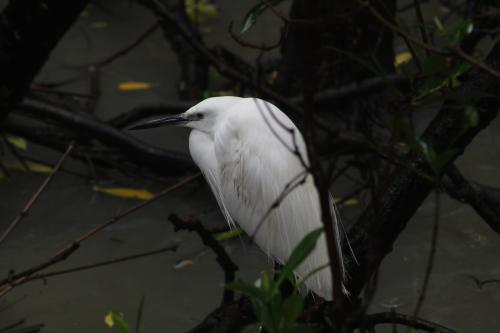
(200, 11)
(17, 142)
(228, 234)
(254, 12)
(442, 159)
(434, 63)
(116, 319)
(460, 69)
(440, 74)
(311, 273)
(182, 85)
(299, 254)
(266, 282)
(438, 24)
(247, 289)
(464, 28)
(292, 308)
(471, 117)
(428, 152)
(100, 24)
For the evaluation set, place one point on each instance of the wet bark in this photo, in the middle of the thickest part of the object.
(375, 232)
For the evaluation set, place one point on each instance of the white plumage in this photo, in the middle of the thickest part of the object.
(245, 149)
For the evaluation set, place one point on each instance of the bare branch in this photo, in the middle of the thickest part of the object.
(396, 318)
(44, 276)
(10, 282)
(163, 161)
(430, 260)
(225, 262)
(484, 199)
(376, 230)
(36, 195)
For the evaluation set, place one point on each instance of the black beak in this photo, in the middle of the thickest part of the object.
(170, 120)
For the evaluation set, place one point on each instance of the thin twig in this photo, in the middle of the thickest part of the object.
(28, 329)
(421, 22)
(295, 182)
(128, 48)
(10, 282)
(430, 261)
(95, 89)
(263, 47)
(454, 50)
(11, 326)
(131, 210)
(394, 28)
(222, 67)
(43, 276)
(36, 195)
(225, 262)
(481, 283)
(406, 320)
(458, 51)
(45, 90)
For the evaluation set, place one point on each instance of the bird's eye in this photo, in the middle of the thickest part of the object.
(198, 116)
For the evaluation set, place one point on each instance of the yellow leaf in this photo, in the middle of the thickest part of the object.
(108, 320)
(39, 167)
(129, 86)
(100, 24)
(127, 193)
(228, 234)
(32, 166)
(17, 142)
(85, 13)
(438, 23)
(201, 10)
(402, 57)
(183, 263)
(348, 202)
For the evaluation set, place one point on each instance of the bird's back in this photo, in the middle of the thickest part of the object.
(250, 162)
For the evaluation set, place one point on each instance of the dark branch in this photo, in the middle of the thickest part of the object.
(102, 263)
(484, 199)
(17, 279)
(372, 320)
(86, 125)
(36, 195)
(29, 30)
(225, 262)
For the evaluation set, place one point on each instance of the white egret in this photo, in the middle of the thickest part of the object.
(250, 153)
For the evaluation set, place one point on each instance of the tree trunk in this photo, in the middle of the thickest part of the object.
(29, 31)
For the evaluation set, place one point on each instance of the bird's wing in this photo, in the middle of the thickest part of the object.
(261, 183)
(202, 151)
(262, 177)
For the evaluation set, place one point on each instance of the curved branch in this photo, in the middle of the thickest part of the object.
(396, 318)
(85, 124)
(484, 199)
(348, 91)
(225, 262)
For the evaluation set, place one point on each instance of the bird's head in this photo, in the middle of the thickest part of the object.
(203, 116)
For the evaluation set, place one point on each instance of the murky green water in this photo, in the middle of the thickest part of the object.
(177, 299)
